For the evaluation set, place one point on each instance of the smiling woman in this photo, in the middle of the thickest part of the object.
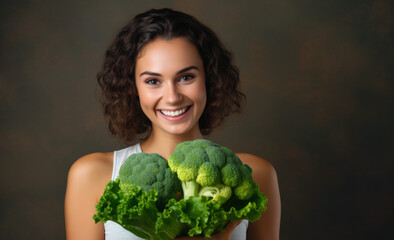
(171, 86)
(166, 79)
(118, 79)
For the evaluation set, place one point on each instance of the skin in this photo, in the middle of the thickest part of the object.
(169, 76)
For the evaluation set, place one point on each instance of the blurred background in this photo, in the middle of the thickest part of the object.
(318, 76)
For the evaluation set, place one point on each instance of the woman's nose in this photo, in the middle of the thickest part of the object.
(172, 95)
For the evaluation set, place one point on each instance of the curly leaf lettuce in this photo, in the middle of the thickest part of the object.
(135, 210)
(250, 209)
(195, 215)
(201, 216)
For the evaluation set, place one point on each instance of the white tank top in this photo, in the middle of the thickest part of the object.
(114, 231)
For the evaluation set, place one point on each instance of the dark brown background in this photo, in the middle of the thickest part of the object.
(318, 77)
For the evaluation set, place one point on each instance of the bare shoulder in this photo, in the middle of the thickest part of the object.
(254, 160)
(91, 171)
(93, 164)
(85, 184)
(262, 169)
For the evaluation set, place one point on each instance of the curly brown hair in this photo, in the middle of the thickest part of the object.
(120, 100)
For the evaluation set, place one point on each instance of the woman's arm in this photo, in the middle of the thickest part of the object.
(85, 184)
(264, 174)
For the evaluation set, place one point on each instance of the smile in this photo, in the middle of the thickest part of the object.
(174, 113)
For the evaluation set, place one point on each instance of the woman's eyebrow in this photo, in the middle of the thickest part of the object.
(150, 73)
(179, 72)
(187, 69)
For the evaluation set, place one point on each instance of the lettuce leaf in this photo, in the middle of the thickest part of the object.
(195, 215)
(135, 210)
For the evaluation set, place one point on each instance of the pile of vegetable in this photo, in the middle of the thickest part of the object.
(216, 188)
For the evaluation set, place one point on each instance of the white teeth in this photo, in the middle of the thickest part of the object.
(174, 113)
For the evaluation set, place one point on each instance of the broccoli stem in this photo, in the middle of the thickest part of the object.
(220, 193)
(190, 189)
(209, 191)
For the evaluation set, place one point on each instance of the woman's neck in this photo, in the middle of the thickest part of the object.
(164, 144)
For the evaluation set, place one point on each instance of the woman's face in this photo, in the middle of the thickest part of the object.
(170, 80)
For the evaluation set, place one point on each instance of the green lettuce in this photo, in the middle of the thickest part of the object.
(135, 210)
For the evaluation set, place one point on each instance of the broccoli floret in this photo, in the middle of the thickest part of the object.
(231, 174)
(247, 187)
(206, 168)
(208, 174)
(149, 171)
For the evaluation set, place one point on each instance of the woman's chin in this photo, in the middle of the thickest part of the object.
(182, 129)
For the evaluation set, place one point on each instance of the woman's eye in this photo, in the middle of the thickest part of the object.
(152, 81)
(187, 77)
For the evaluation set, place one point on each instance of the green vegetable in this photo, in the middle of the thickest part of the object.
(205, 168)
(216, 187)
(149, 171)
(145, 184)
(216, 178)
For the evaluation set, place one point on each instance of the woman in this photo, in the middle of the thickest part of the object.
(166, 79)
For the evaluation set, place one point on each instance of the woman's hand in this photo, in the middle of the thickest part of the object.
(226, 235)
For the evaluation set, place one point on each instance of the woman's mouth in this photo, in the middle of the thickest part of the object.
(175, 113)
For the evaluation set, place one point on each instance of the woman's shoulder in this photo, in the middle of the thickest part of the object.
(92, 169)
(86, 182)
(94, 163)
(263, 172)
(257, 163)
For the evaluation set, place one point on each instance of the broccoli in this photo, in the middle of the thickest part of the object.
(206, 168)
(149, 171)
(144, 186)
(217, 188)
